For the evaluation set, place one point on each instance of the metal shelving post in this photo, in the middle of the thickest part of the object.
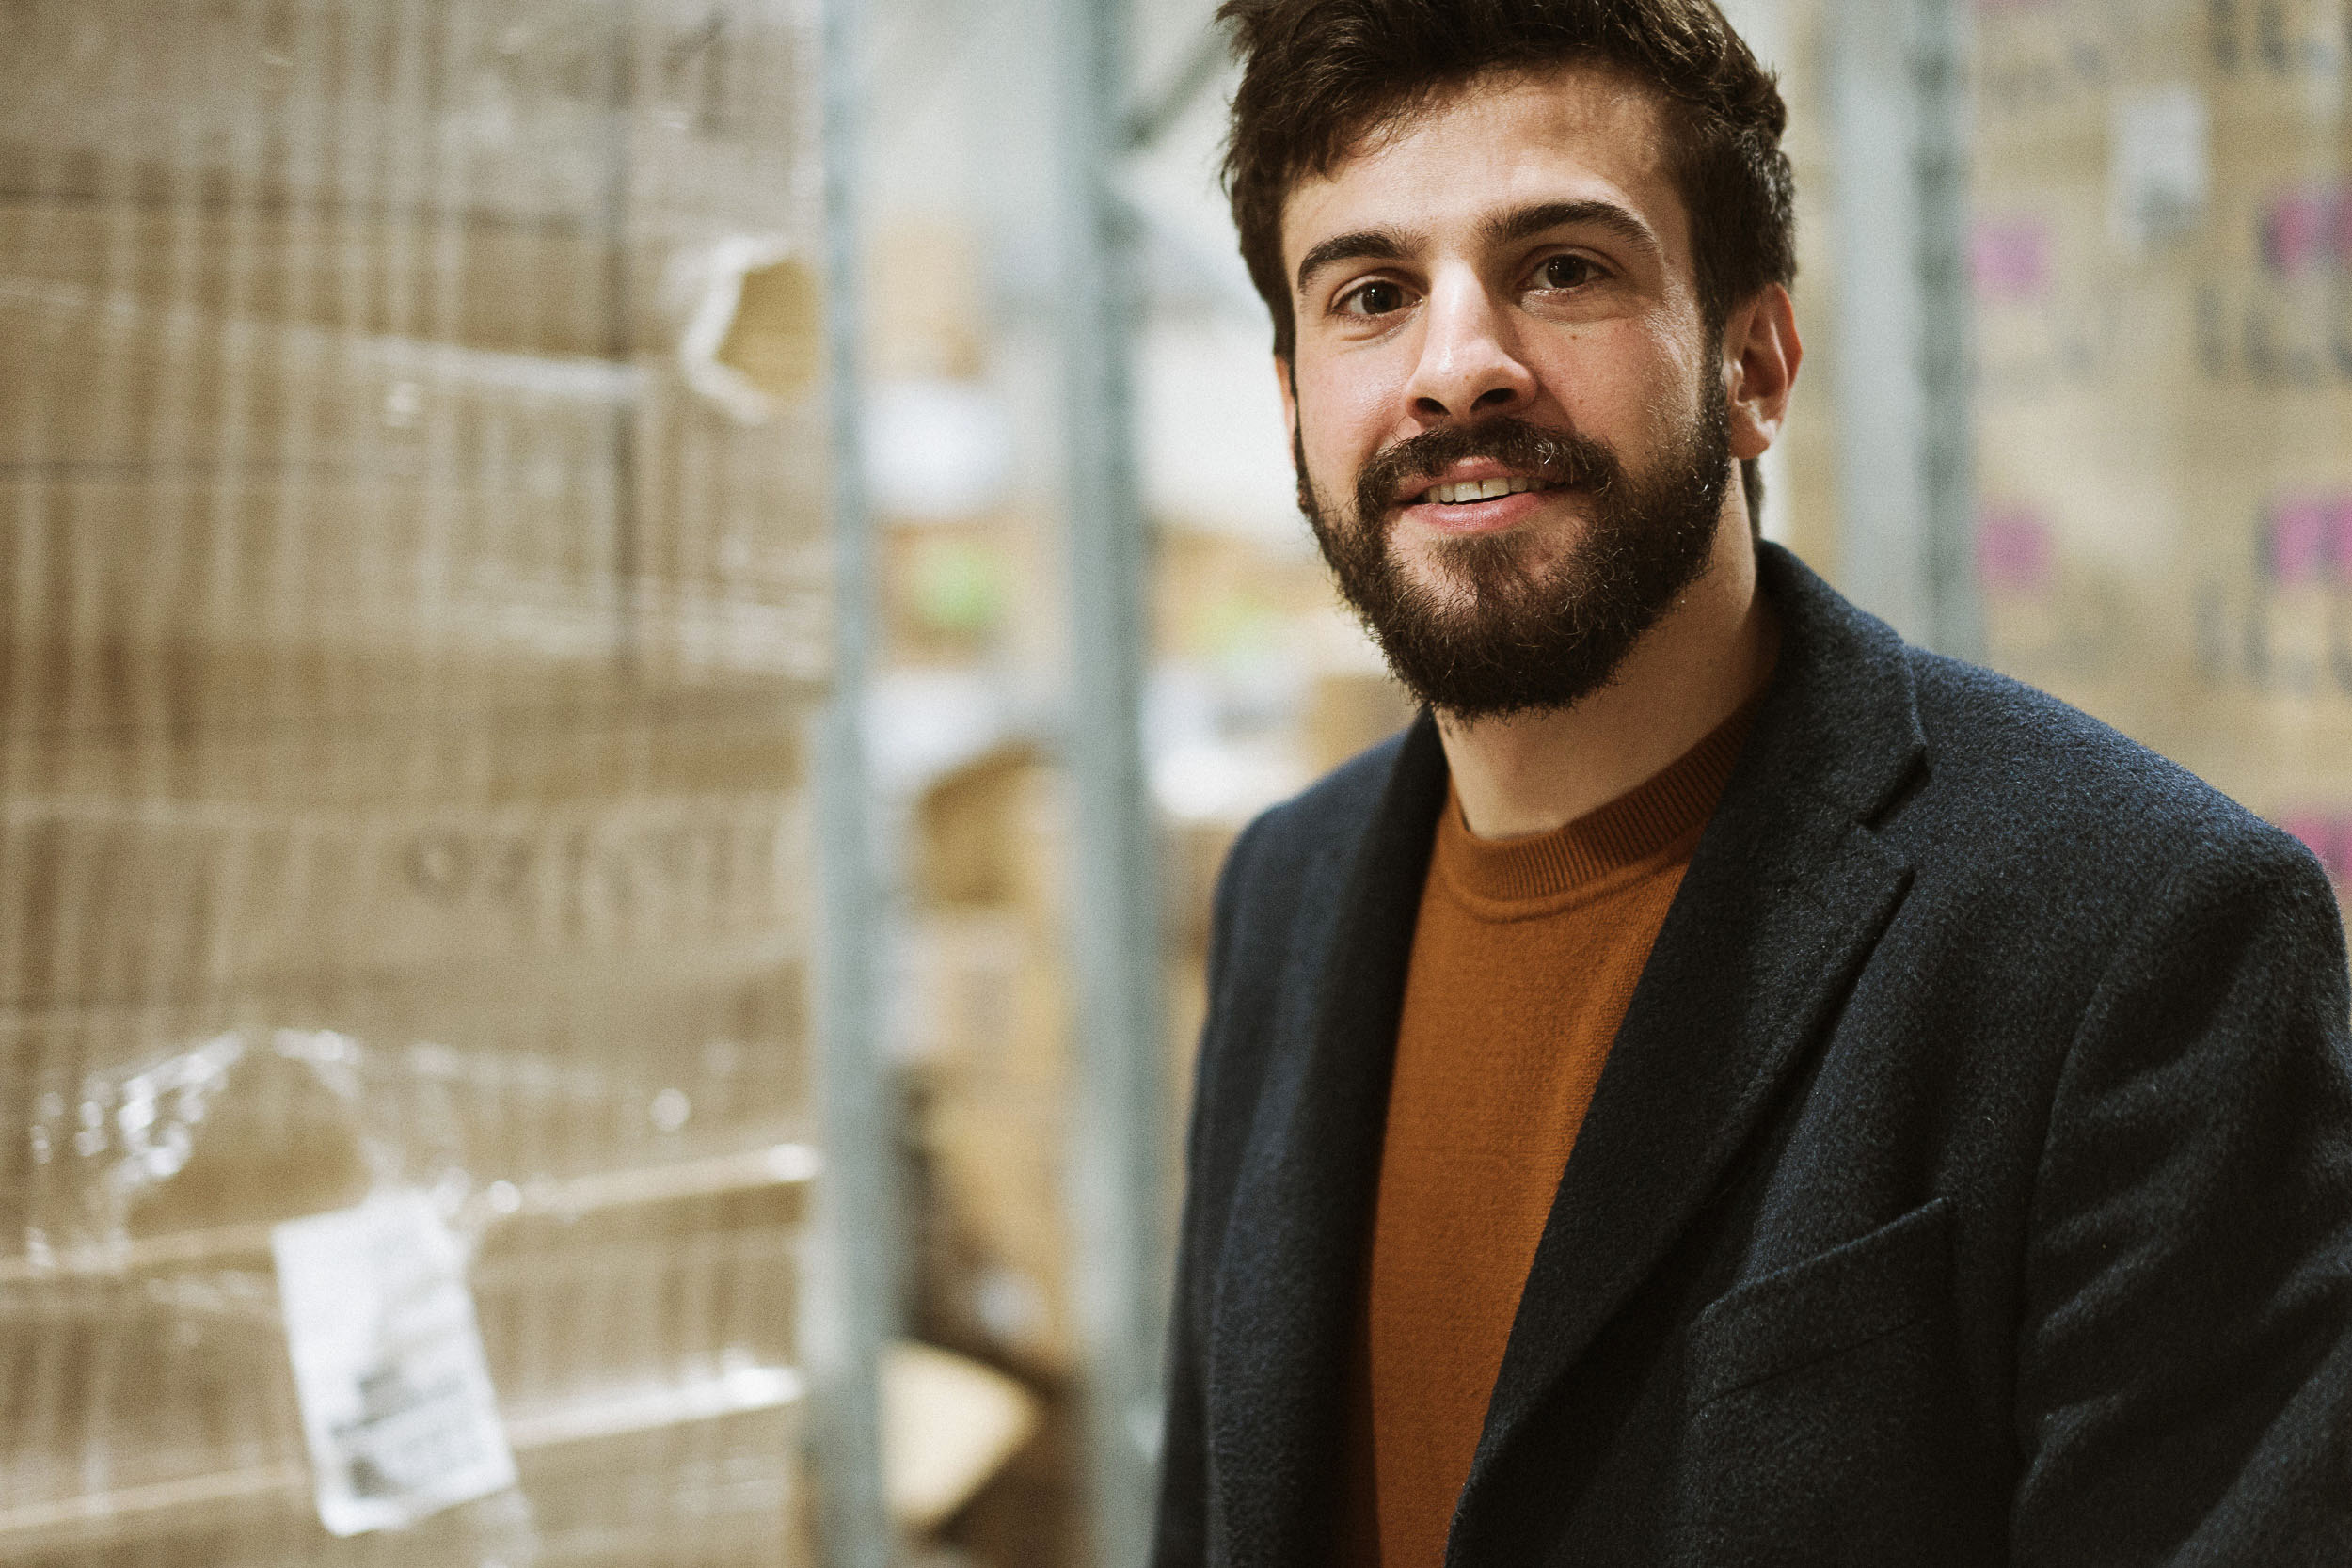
(1115, 1181)
(852, 1313)
(1900, 117)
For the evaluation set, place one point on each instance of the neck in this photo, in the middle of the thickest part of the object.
(1711, 652)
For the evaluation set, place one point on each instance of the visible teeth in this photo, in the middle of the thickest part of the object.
(1482, 489)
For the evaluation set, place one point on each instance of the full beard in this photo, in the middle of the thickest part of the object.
(1499, 637)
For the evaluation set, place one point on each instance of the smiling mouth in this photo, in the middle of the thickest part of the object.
(1474, 490)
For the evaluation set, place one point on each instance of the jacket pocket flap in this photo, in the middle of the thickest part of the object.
(1847, 1296)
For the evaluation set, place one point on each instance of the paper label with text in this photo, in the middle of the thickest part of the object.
(397, 1408)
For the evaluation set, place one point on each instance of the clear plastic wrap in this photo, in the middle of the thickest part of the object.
(634, 1263)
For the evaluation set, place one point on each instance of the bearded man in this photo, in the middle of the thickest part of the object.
(1723, 1087)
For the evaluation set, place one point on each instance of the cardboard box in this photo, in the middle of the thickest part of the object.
(155, 903)
(532, 114)
(991, 1076)
(248, 483)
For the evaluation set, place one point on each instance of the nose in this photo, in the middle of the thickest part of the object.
(1468, 363)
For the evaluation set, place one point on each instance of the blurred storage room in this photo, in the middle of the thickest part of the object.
(635, 628)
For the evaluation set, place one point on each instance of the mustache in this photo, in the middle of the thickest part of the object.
(1560, 456)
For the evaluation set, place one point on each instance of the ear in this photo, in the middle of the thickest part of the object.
(1761, 354)
(1288, 382)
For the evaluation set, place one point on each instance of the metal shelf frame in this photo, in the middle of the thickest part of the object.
(1115, 1181)
(845, 1325)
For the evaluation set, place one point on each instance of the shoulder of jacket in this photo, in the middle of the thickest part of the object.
(2018, 777)
(1285, 838)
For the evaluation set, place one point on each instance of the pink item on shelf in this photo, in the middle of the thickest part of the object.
(2300, 231)
(2008, 259)
(2302, 538)
(2013, 549)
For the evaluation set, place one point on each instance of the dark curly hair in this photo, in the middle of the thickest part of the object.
(1319, 75)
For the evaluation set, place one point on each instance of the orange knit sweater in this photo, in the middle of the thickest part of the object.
(1524, 960)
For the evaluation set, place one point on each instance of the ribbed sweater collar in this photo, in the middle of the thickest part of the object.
(1585, 856)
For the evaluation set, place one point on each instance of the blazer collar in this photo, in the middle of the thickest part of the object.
(1289, 1284)
(1786, 893)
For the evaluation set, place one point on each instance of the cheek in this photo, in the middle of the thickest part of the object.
(1618, 384)
(1685, 365)
(1347, 411)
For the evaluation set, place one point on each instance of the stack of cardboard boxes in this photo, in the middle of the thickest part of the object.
(2164, 395)
(411, 509)
(2163, 264)
(989, 1094)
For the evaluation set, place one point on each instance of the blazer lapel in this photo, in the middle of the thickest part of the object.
(1789, 891)
(1289, 1284)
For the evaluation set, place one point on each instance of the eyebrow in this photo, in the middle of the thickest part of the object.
(1519, 223)
(1523, 223)
(1365, 244)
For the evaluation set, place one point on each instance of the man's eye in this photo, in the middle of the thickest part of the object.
(1566, 272)
(1375, 300)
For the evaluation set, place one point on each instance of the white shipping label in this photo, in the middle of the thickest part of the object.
(396, 1401)
(2160, 165)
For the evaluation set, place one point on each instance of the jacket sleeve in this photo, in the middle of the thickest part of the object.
(2184, 1360)
(1181, 1530)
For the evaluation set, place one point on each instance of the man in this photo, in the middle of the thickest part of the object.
(1724, 1087)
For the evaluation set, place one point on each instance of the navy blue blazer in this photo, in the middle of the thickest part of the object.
(1970, 1182)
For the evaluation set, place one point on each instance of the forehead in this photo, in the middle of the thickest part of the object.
(1568, 132)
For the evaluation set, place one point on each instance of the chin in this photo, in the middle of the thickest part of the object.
(1448, 564)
